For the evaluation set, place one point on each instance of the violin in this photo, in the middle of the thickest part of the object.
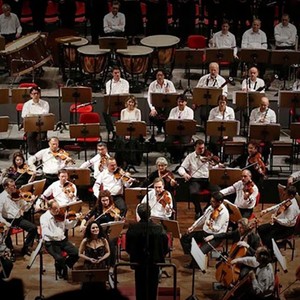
(113, 211)
(207, 156)
(19, 195)
(103, 162)
(248, 189)
(258, 164)
(164, 199)
(169, 177)
(65, 215)
(119, 173)
(69, 190)
(63, 155)
(282, 208)
(3, 227)
(214, 215)
(25, 169)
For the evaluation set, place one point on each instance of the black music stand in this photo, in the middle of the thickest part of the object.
(285, 58)
(93, 275)
(79, 177)
(134, 196)
(254, 56)
(4, 120)
(219, 55)
(84, 131)
(76, 95)
(131, 130)
(220, 129)
(290, 100)
(265, 132)
(189, 59)
(39, 124)
(60, 125)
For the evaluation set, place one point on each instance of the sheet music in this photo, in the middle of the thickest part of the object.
(199, 256)
(35, 253)
(281, 259)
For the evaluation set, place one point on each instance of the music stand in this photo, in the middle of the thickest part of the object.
(4, 120)
(189, 59)
(265, 132)
(84, 131)
(181, 127)
(35, 187)
(20, 95)
(76, 95)
(113, 229)
(4, 96)
(133, 197)
(234, 212)
(79, 176)
(254, 56)
(60, 125)
(133, 129)
(219, 55)
(224, 177)
(39, 124)
(291, 100)
(284, 58)
(114, 103)
(169, 225)
(94, 275)
(164, 101)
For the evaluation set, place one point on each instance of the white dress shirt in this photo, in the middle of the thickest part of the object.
(131, 115)
(114, 23)
(10, 24)
(296, 85)
(117, 87)
(266, 117)
(227, 40)
(285, 36)
(94, 162)
(155, 87)
(254, 40)
(252, 86)
(177, 114)
(218, 82)
(32, 108)
(240, 202)
(216, 114)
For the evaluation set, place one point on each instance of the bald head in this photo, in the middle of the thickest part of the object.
(264, 104)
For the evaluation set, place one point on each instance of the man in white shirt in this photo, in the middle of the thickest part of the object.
(10, 27)
(253, 83)
(114, 22)
(285, 34)
(117, 85)
(35, 106)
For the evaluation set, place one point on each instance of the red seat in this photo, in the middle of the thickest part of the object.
(204, 196)
(16, 230)
(196, 41)
(26, 13)
(79, 110)
(52, 13)
(80, 15)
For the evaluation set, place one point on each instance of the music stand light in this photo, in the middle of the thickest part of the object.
(84, 131)
(265, 132)
(79, 177)
(76, 95)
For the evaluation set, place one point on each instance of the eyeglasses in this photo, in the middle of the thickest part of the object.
(34, 93)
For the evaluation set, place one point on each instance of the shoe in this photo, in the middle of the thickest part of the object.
(25, 251)
(12, 256)
(59, 274)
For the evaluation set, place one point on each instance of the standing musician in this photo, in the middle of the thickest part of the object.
(252, 160)
(246, 194)
(253, 83)
(159, 200)
(263, 115)
(113, 179)
(54, 223)
(99, 161)
(160, 85)
(53, 159)
(12, 206)
(35, 106)
(195, 170)
(214, 220)
(62, 190)
(283, 219)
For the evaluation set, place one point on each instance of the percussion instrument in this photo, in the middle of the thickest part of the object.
(70, 50)
(26, 54)
(92, 58)
(135, 59)
(164, 48)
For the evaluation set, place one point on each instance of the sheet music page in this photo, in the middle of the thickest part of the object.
(199, 256)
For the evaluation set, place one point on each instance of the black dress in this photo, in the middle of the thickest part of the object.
(96, 254)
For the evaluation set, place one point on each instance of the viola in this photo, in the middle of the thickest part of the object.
(63, 155)
(69, 189)
(258, 164)
(164, 199)
(119, 173)
(215, 214)
(19, 195)
(168, 177)
(103, 162)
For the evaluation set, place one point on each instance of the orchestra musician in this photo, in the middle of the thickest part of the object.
(252, 160)
(160, 85)
(283, 219)
(214, 220)
(246, 194)
(35, 106)
(116, 85)
(12, 206)
(159, 200)
(114, 22)
(195, 170)
(62, 190)
(131, 112)
(113, 179)
(263, 115)
(99, 161)
(52, 159)
(253, 83)
(54, 224)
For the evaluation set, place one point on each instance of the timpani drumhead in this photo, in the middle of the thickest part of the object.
(92, 50)
(82, 42)
(160, 41)
(135, 51)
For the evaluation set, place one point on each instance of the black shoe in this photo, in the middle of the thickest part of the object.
(12, 256)
(25, 251)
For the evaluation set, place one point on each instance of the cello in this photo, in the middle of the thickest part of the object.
(229, 274)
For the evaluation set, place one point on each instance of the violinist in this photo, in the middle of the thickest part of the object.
(104, 211)
(263, 115)
(51, 162)
(283, 219)
(214, 220)
(35, 106)
(19, 171)
(53, 233)
(159, 199)
(246, 193)
(195, 170)
(64, 191)
(12, 207)
(111, 180)
(252, 161)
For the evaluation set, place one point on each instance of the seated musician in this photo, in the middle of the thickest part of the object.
(160, 85)
(54, 224)
(246, 194)
(116, 85)
(253, 83)
(159, 200)
(131, 112)
(214, 220)
(262, 279)
(220, 113)
(62, 190)
(99, 161)
(114, 21)
(52, 160)
(252, 160)
(195, 170)
(174, 142)
(35, 106)
(242, 237)
(283, 219)
(113, 179)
